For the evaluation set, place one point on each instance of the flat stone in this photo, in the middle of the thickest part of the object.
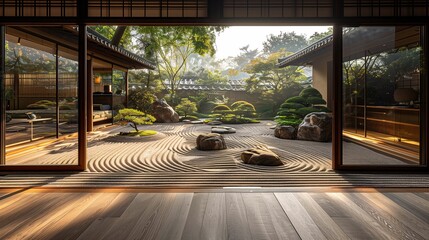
(197, 122)
(210, 141)
(214, 123)
(264, 157)
(223, 130)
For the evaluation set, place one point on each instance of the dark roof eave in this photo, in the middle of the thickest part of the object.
(144, 63)
(296, 58)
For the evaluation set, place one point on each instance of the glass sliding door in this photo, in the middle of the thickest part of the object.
(41, 82)
(382, 95)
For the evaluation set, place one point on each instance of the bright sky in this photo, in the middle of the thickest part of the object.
(232, 39)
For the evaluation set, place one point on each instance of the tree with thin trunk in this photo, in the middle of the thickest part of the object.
(171, 46)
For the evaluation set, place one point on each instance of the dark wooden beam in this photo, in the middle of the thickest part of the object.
(337, 87)
(90, 102)
(82, 95)
(424, 88)
(2, 97)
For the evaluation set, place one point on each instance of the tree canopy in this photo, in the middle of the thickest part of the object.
(288, 41)
(171, 46)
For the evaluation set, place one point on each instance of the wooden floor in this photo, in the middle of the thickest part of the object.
(322, 213)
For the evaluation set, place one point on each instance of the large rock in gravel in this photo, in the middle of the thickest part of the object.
(316, 126)
(163, 112)
(210, 141)
(263, 157)
(285, 132)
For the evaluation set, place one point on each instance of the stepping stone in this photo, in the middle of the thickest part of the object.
(215, 123)
(223, 130)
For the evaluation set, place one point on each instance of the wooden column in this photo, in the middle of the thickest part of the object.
(126, 88)
(337, 87)
(2, 97)
(90, 103)
(82, 95)
(424, 89)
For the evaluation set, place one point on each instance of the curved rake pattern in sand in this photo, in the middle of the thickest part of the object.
(173, 150)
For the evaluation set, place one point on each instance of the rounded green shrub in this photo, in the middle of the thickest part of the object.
(304, 111)
(221, 107)
(287, 105)
(310, 92)
(296, 99)
(243, 105)
(37, 106)
(322, 109)
(315, 100)
(205, 106)
(189, 117)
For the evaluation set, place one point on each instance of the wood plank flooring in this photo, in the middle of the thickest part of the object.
(319, 213)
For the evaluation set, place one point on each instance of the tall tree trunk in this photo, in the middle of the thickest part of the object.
(119, 33)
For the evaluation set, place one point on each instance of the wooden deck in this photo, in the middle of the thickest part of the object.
(299, 213)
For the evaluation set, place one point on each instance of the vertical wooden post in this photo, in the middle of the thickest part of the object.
(82, 95)
(2, 96)
(337, 87)
(90, 108)
(126, 88)
(424, 91)
(57, 92)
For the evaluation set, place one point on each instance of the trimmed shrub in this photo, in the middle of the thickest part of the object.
(286, 112)
(205, 106)
(296, 99)
(292, 105)
(304, 111)
(134, 117)
(243, 105)
(221, 107)
(289, 121)
(310, 92)
(37, 106)
(315, 100)
(186, 107)
(322, 109)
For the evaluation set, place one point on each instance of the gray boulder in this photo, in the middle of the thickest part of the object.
(316, 126)
(163, 112)
(262, 157)
(210, 141)
(285, 132)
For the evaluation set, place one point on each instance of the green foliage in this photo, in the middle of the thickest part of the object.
(291, 105)
(142, 133)
(315, 100)
(42, 104)
(304, 111)
(221, 107)
(109, 31)
(186, 107)
(283, 82)
(296, 99)
(171, 46)
(290, 41)
(205, 106)
(318, 36)
(310, 92)
(287, 112)
(141, 99)
(287, 121)
(232, 119)
(134, 117)
(322, 109)
(243, 106)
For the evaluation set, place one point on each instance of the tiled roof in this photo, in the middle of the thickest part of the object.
(93, 35)
(283, 62)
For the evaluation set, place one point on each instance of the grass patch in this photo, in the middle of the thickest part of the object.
(141, 133)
